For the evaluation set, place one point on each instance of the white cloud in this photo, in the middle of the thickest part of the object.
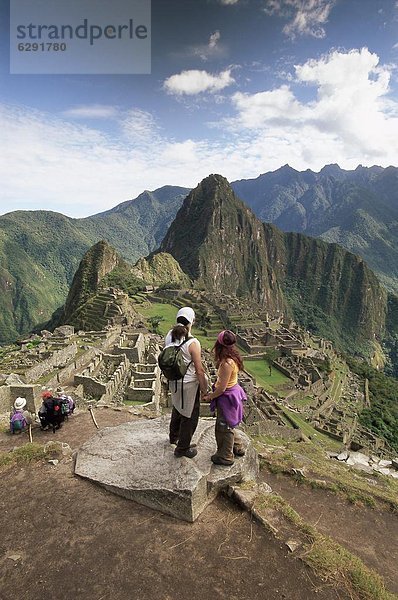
(195, 82)
(139, 126)
(229, 2)
(263, 107)
(214, 39)
(352, 118)
(92, 111)
(54, 164)
(66, 166)
(307, 17)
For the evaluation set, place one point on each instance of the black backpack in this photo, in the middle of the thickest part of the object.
(171, 362)
(53, 414)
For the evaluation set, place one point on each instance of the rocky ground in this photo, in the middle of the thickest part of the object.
(370, 533)
(63, 537)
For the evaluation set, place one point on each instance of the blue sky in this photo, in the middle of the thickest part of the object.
(237, 87)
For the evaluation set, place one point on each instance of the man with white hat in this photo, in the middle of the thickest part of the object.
(185, 392)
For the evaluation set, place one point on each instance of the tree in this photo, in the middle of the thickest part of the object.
(154, 323)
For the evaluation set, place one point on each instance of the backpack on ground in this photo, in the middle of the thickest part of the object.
(67, 405)
(17, 422)
(171, 362)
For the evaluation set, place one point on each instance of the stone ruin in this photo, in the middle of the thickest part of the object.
(113, 366)
(304, 359)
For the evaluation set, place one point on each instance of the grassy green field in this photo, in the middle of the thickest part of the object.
(133, 403)
(259, 369)
(301, 402)
(168, 312)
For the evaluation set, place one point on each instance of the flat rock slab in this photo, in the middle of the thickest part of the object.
(135, 460)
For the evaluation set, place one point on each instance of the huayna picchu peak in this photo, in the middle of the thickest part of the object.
(220, 243)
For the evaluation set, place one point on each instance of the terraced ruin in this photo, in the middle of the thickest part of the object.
(293, 379)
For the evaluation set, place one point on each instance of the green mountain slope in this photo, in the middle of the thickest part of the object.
(220, 243)
(330, 291)
(91, 303)
(41, 250)
(356, 209)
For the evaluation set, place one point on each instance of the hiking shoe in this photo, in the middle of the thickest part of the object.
(190, 453)
(218, 460)
(176, 442)
(239, 452)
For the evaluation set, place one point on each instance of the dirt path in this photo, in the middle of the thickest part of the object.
(63, 537)
(74, 432)
(371, 534)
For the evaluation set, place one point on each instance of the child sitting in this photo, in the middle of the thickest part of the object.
(20, 419)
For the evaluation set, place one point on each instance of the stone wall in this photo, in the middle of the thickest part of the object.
(57, 358)
(5, 399)
(32, 393)
(102, 390)
(9, 393)
(145, 385)
(132, 345)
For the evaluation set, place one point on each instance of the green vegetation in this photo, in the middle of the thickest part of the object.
(167, 313)
(301, 402)
(133, 403)
(33, 344)
(273, 383)
(40, 252)
(122, 278)
(342, 328)
(382, 416)
(310, 431)
(154, 323)
(22, 455)
(320, 471)
(327, 558)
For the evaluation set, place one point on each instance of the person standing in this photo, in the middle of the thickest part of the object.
(185, 392)
(227, 398)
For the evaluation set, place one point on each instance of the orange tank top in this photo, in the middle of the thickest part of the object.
(233, 378)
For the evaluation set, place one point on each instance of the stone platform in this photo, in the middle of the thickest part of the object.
(135, 460)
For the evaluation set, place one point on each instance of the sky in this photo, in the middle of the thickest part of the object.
(237, 87)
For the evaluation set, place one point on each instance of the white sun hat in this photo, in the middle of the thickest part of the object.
(188, 313)
(19, 403)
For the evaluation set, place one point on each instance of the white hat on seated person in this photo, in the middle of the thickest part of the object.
(19, 403)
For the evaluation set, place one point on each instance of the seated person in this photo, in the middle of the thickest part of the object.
(20, 419)
(68, 400)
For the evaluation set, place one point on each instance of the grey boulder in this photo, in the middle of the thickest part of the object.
(136, 460)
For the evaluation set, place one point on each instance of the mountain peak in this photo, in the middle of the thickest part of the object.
(220, 244)
(213, 182)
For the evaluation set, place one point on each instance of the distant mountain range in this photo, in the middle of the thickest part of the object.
(218, 242)
(356, 209)
(40, 250)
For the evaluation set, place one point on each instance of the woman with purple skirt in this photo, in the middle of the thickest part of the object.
(227, 398)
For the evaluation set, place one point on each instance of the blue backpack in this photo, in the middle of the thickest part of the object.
(17, 422)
